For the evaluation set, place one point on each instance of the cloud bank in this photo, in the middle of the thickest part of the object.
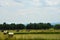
(26, 11)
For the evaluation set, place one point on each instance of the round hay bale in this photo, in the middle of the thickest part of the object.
(5, 32)
(10, 34)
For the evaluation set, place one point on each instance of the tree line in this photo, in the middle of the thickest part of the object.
(35, 26)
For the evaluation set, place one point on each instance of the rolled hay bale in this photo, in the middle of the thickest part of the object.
(2, 30)
(5, 32)
(10, 34)
(17, 30)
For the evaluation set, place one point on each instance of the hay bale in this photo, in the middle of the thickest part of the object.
(2, 30)
(5, 32)
(10, 34)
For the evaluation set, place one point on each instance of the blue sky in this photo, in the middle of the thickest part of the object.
(29, 11)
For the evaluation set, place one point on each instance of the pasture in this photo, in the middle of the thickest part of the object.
(31, 36)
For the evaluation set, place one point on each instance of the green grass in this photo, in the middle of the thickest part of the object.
(38, 36)
(32, 35)
(30, 39)
(37, 33)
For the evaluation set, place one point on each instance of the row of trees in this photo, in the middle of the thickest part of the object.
(14, 26)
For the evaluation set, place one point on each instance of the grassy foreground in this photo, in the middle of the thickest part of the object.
(32, 35)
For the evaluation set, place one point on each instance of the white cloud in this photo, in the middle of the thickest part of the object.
(36, 2)
(23, 3)
(52, 2)
(26, 11)
(10, 3)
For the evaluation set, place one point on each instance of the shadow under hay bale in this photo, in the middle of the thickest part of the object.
(10, 34)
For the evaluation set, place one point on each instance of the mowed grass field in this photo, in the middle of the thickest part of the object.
(31, 36)
(38, 36)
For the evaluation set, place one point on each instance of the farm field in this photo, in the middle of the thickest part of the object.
(38, 36)
(31, 36)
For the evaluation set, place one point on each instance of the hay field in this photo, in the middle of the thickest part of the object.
(31, 36)
(38, 36)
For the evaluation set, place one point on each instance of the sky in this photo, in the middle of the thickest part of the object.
(29, 11)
